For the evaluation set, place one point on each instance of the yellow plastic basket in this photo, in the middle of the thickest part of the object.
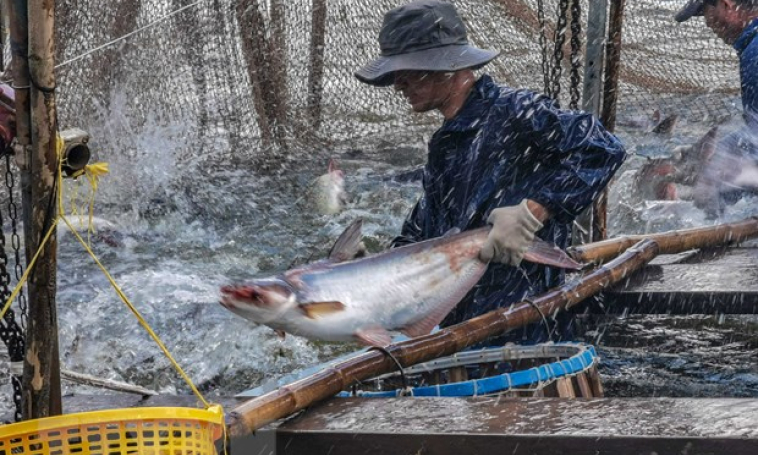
(158, 431)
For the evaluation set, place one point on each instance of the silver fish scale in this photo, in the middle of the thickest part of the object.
(391, 290)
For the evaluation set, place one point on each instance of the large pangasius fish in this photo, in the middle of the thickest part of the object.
(409, 289)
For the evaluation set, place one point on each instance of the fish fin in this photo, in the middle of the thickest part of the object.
(543, 252)
(315, 310)
(348, 244)
(373, 336)
(424, 326)
(666, 126)
(280, 333)
(452, 231)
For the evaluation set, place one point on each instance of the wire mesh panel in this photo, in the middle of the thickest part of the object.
(254, 80)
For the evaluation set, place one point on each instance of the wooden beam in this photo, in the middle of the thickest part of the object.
(608, 112)
(42, 394)
(316, 68)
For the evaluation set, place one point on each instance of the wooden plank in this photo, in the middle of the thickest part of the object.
(565, 388)
(584, 385)
(463, 426)
(715, 281)
(596, 385)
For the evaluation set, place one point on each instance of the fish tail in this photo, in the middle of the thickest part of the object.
(543, 252)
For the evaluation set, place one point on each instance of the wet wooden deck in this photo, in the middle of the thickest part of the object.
(723, 281)
(468, 426)
(523, 426)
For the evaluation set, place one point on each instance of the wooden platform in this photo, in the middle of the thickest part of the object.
(519, 426)
(721, 281)
(515, 426)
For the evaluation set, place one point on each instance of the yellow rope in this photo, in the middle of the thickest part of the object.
(93, 173)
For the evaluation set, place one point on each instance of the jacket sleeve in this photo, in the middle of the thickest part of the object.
(749, 79)
(412, 230)
(580, 155)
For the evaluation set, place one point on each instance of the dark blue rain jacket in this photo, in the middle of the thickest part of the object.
(747, 48)
(503, 146)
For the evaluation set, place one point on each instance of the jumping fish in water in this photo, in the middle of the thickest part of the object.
(328, 191)
(408, 289)
(653, 124)
(672, 178)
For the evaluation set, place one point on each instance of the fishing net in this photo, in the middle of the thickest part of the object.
(266, 81)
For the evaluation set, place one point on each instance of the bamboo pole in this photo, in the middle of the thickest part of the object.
(608, 113)
(42, 366)
(280, 403)
(118, 386)
(670, 242)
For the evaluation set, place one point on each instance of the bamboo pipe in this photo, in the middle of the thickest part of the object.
(670, 242)
(254, 414)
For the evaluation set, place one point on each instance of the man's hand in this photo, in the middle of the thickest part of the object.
(512, 232)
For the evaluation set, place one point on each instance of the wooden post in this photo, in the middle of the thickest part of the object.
(42, 394)
(592, 93)
(252, 31)
(277, 74)
(610, 96)
(316, 75)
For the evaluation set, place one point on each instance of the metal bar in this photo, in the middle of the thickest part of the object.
(592, 93)
(42, 364)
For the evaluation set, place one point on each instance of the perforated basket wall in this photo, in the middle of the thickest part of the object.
(159, 431)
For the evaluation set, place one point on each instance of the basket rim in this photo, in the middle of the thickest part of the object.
(213, 415)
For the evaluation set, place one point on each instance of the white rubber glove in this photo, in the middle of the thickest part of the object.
(512, 234)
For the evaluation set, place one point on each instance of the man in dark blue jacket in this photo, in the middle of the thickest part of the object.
(736, 23)
(507, 157)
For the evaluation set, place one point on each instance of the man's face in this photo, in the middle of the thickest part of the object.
(424, 90)
(724, 18)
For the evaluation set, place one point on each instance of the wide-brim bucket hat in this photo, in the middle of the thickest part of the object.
(691, 9)
(424, 35)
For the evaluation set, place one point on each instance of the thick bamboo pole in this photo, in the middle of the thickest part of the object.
(41, 367)
(670, 242)
(280, 403)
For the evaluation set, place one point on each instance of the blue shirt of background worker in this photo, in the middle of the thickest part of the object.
(736, 23)
(503, 156)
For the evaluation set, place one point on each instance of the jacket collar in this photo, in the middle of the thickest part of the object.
(747, 36)
(476, 107)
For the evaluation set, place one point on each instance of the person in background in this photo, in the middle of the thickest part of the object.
(720, 182)
(503, 156)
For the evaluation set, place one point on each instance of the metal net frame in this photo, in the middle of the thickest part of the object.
(261, 81)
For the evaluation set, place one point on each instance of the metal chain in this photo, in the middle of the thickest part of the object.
(15, 240)
(10, 332)
(543, 47)
(560, 40)
(576, 49)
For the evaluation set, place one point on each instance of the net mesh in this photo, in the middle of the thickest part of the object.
(249, 81)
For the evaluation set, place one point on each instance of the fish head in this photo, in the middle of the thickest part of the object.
(260, 301)
(335, 172)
